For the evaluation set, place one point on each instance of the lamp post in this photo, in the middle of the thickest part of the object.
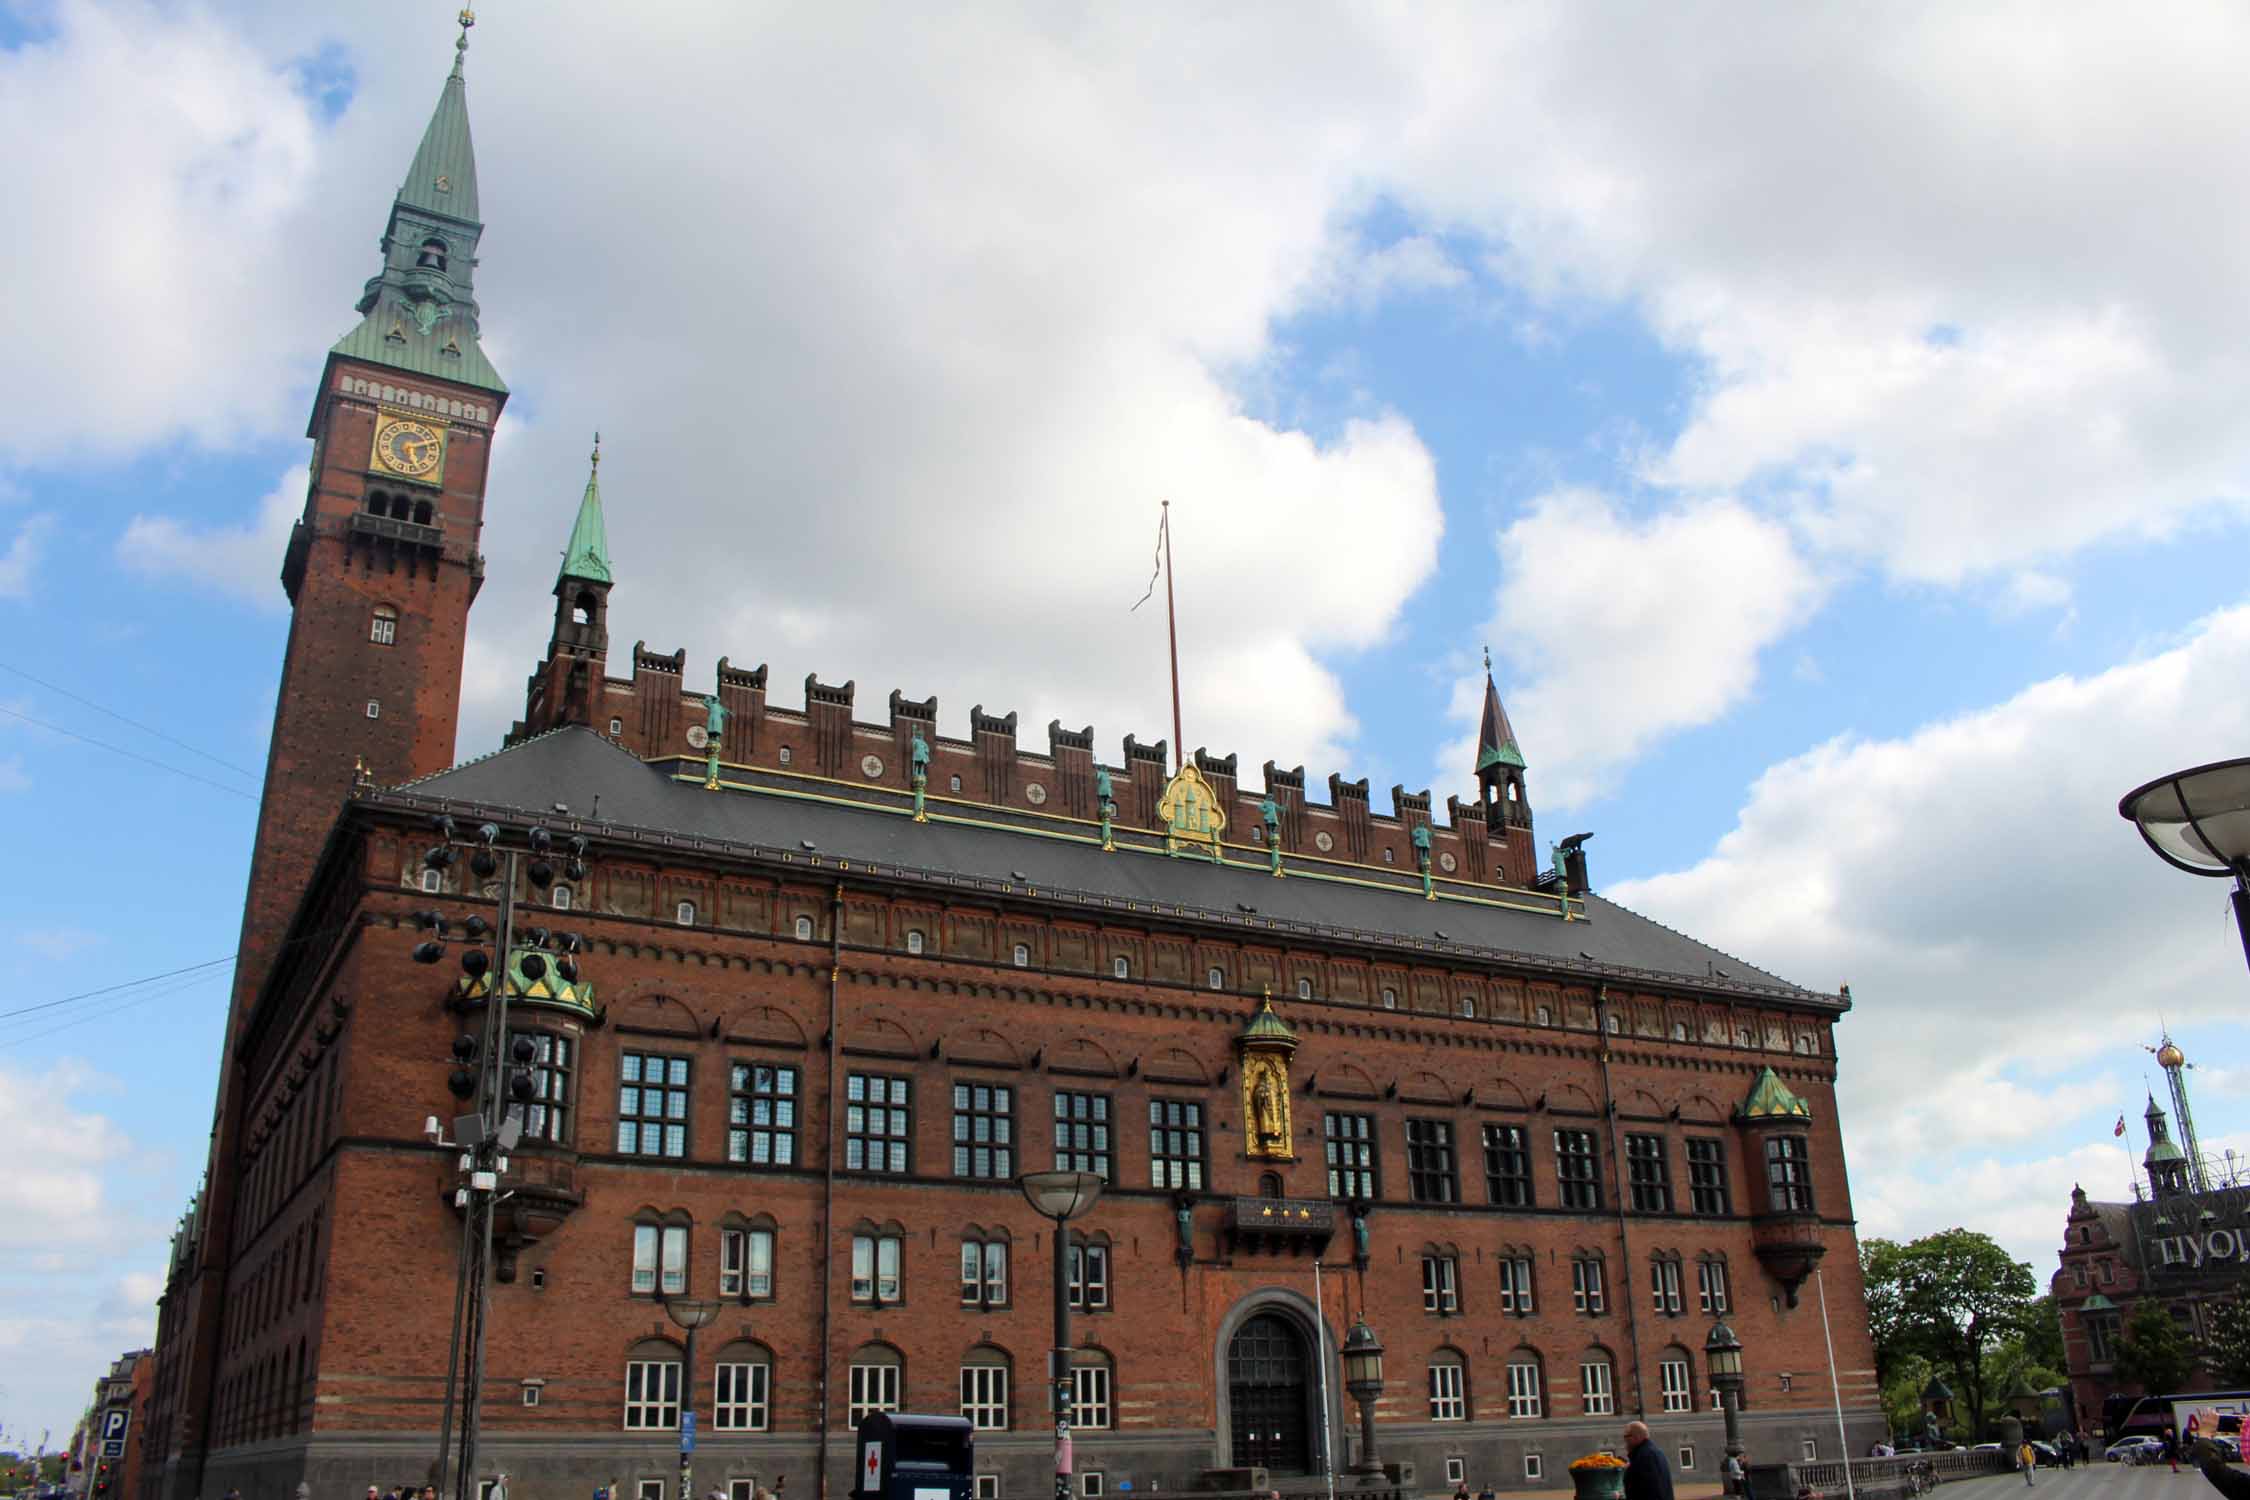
(689, 1313)
(1061, 1196)
(1363, 1377)
(2198, 820)
(1722, 1355)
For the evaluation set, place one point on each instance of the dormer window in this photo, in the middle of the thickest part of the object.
(431, 257)
(1022, 956)
(1121, 967)
(1216, 977)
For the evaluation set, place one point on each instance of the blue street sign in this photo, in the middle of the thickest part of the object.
(687, 1432)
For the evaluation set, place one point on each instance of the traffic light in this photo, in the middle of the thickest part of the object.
(101, 1477)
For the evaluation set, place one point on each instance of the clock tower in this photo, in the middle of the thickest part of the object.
(380, 571)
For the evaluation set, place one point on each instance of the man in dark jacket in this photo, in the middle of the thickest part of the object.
(1647, 1475)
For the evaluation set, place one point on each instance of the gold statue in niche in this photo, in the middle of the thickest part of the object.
(1266, 1046)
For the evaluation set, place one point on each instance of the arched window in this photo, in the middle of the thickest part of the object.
(1679, 1031)
(1216, 977)
(877, 1372)
(1545, 1016)
(1597, 1383)
(684, 914)
(984, 1388)
(383, 629)
(423, 513)
(742, 1388)
(804, 929)
(1093, 1387)
(914, 940)
(1022, 956)
(431, 257)
(1449, 1386)
(652, 1386)
(582, 608)
(1527, 1385)
(783, 755)
(1269, 1184)
(378, 503)
(1468, 1008)
(1676, 1378)
(1304, 988)
(1390, 998)
(1121, 967)
(1664, 1284)
(559, 897)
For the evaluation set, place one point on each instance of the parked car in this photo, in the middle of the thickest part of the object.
(2135, 1450)
(2048, 1453)
(1985, 1448)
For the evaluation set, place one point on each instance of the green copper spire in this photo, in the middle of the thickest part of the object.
(1496, 737)
(587, 556)
(419, 313)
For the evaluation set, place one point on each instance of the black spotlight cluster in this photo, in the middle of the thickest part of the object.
(522, 1052)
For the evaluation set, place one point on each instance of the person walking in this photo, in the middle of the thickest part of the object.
(1730, 1474)
(2027, 1458)
(1647, 1475)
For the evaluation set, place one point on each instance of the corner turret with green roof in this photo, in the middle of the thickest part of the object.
(1770, 1099)
(419, 313)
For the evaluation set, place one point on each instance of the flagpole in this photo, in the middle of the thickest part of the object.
(1172, 633)
(1835, 1387)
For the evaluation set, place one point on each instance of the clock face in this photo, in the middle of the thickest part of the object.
(409, 448)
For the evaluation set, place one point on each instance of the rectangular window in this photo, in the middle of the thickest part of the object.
(984, 1131)
(877, 1123)
(645, 1238)
(1446, 1403)
(1673, 1376)
(1350, 1148)
(1507, 1166)
(1089, 1396)
(739, 1397)
(746, 1263)
(649, 1489)
(1515, 1285)
(984, 1397)
(984, 1273)
(875, 1260)
(1711, 1286)
(384, 631)
(1082, 1133)
(545, 1116)
(1687, 1455)
(1586, 1284)
(762, 1115)
(652, 1105)
(1534, 1467)
(988, 1487)
(873, 1388)
(1707, 1175)
(652, 1395)
(1648, 1174)
(1788, 1175)
(1811, 1450)
(1525, 1399)
(1089, 1277)
(1175, 1143)
(1431, 1176)
(1439, 1292)
(660, 1258)
(1594, 1388)
(1576, 1169)
(1664, 1287)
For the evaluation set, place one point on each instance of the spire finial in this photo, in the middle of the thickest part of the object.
(467, 18)
(597, 448)
(1488, 661)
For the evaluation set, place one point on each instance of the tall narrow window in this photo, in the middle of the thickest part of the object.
(1091, 1402)
(746, 1263)
(1648, 1174)
(1711, 1287)
(1788, 1175)
(1175, 1144)
(1430, 1172)
(1082, 1133)
(876, 1123)
(762, 1114)
(984, 1272)
(875, 1262)
(1507, 1166)
(1676, 1379)
(1664, 1286)
(1707, 1175)
(652, 1105)
(1586, 1284)
(1576, 1170)
(1349, 1141)
(983, 1131)
(1089, 1276)
(1526, 1391)
(1595, 1388)
(545, 1116)
(1448, 1399)
(383, 629)
(1440, 1284)
(1515, 1284)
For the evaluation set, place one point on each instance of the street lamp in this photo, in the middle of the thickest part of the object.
(2199, 821)
(1061, 1196)
(1363, 1377)
(1722, 1355)
(690, 1313)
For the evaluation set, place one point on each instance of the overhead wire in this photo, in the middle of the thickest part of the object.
(122, 719)
(146, 760)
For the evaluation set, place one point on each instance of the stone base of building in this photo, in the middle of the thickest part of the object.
(1494, 1454)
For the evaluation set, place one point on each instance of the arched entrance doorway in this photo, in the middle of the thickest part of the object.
(1269, 1395)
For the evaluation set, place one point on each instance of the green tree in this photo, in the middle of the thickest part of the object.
(2226, 1352)
(1950, 1297)
(2043, 1335)
(2154, 1352)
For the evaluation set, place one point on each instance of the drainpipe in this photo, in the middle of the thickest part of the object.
(828, 1188)
(1631, 1279)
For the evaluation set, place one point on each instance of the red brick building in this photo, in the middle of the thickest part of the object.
(825, 1016)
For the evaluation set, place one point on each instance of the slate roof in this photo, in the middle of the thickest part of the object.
(575, 766)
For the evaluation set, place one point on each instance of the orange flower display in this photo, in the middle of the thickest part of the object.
(1597, 1461)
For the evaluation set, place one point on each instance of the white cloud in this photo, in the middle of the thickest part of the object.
(22, 556)
(52, 1201)
(1416, 263)
(240, 561)
(57, 943)
(1623, 629)
(1998, 922)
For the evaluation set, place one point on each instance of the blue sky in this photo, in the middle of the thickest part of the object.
(1832, 442)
